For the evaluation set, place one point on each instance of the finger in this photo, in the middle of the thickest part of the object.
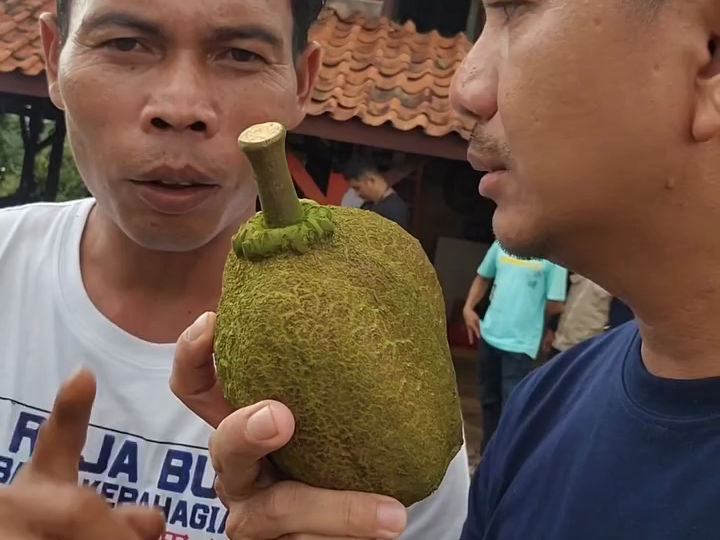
(243, 439)
(194, 380)
(148, 523)
(62, 436)
(292, 508)
(68, 512)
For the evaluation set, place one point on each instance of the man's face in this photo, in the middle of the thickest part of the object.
(364, 187)
(155, 95)
(585, 108)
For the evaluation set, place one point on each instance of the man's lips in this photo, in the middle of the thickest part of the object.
(176, 176)
(174, 184)
(173, 197)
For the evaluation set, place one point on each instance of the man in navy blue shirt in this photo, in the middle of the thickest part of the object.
(599, 124)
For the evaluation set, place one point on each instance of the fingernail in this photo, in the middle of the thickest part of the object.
(197, 328)
(392, 519)
(261, 425)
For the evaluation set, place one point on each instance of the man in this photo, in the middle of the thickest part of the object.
(620, 313)
(600, 122)
(155, 95)
(525, 294)
(351, 199)
(377, 195)
(586, 314)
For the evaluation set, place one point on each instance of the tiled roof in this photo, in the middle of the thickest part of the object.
(20, 47)
(381, 71)
(375, 70)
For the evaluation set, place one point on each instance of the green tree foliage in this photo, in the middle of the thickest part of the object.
(11, 160)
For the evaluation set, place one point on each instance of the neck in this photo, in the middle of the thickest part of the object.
(383, 194)
(672, 285)
(153, 295)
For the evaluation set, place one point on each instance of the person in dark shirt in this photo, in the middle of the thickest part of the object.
(620, 313)
(599, 124)
(376, 193)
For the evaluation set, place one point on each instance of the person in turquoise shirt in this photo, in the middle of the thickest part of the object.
(525, 294)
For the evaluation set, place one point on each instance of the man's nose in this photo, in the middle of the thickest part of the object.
(474, 89)
(182, 102)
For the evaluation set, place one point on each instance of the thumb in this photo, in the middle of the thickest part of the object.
(194, 380)
(62, 436)
(243, 439)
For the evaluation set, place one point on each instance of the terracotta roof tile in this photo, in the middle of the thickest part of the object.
(380, 71)
(20, 47)
(373, 69)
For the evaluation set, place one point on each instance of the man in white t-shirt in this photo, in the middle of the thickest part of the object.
(155, 95)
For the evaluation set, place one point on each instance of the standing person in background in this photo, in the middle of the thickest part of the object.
(620, 313)
(585, 315)
(526, 293)
(376, 193)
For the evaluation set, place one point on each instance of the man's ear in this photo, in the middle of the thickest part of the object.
(51, 45)
(308, 69)
(706, 123)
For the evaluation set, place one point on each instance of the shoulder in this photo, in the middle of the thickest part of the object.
(552, 267)
(540, 404)
(394, 203)
(571, 373)
(397, 200)
(494, 250)
(34, 225)
(40, 213)
(441, 516)
(539, 407)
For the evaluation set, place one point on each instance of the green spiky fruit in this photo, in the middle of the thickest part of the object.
(338, 314)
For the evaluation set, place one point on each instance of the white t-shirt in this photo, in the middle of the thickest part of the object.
(144, 445)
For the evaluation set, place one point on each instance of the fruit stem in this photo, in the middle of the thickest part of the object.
(264, 146)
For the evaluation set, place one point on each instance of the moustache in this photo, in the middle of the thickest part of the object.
(484, 144)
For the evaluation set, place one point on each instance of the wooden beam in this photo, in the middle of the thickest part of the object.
(385, 137)
(396, 174)
(304, 181)
(337, 187)
(16, 83)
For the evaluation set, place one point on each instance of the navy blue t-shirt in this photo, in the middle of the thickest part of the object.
(593, 447)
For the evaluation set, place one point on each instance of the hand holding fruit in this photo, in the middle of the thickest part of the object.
(262, 506)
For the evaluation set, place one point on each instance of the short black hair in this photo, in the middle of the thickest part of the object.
(305, 13)
(358, 169)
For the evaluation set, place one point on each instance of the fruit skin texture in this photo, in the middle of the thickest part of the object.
(351, 336)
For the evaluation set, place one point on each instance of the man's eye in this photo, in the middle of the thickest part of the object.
(241, 55)
(123, 44)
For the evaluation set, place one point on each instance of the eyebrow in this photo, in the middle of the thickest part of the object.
(249, 32)
(125, 20)
(225, 33)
